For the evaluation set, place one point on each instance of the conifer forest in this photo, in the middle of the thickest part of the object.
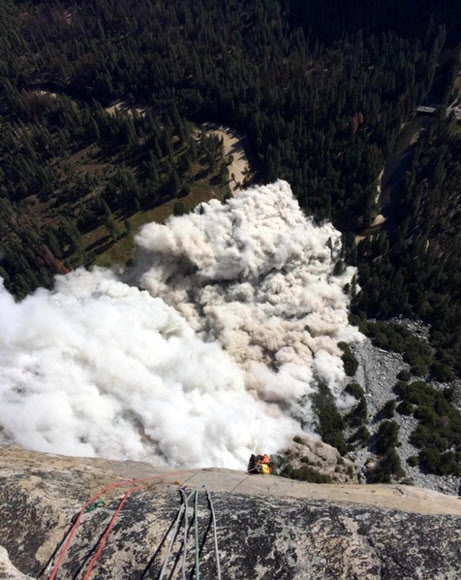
(102, 109)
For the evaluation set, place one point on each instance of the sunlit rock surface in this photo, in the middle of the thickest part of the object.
(267, 526)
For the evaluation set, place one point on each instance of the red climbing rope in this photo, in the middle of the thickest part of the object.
(107, 532)
(111, 523)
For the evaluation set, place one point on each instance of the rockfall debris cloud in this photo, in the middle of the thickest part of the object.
(205, 351)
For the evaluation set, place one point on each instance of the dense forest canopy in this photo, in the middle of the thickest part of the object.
(321, 89)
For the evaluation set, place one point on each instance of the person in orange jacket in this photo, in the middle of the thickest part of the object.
(265, 463)
(260, 464)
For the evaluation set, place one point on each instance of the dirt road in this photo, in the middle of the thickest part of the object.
(234, 149)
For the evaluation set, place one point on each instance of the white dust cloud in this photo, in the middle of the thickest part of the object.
(205, 352)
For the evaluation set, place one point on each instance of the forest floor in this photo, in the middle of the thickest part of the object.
(122, 106)
(100, 248)
(234, 149)
(233, 143)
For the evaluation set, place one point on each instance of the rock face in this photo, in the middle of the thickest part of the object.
(7, 570)
(266, 526)
(377, 374)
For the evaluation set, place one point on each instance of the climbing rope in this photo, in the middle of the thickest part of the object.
(197, 563)
(107, 532)
(135, 486)
(184, 510)
(173, 537)
(186, 532)
(91, 501)
(215, 533)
